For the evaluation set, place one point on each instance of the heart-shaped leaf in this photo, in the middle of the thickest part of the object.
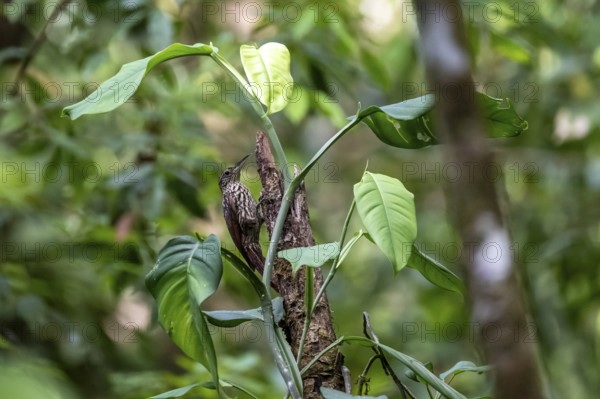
(186, 273)
(387, 210)
(314, 256)
(113, 92)
(268, 72)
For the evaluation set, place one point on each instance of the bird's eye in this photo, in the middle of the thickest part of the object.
(226, 172)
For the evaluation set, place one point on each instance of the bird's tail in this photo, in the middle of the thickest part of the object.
(254, 256)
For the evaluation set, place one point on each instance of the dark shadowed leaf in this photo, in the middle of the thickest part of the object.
(409, 124)
(186, 273)
(435, 272)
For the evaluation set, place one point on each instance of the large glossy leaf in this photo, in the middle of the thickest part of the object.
(329, 393)
(435, 272)
(233, 318)
(186, 273)
(387, 210)
(314, 256)
(409, 124)
(268, 72)
(115, 91)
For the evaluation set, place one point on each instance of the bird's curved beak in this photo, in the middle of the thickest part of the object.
(238, 166)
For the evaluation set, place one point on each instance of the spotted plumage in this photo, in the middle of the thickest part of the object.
(241, 217)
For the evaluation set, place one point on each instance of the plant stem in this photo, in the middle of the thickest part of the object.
(289, 195)
(279, 353)
(362, 378)
(258, 108)
(334, 267)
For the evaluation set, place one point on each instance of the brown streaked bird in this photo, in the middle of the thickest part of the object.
(241, 216)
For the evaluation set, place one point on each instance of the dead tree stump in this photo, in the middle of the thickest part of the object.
(297, 233)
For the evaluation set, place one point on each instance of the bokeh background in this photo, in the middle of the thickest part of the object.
(85, 205)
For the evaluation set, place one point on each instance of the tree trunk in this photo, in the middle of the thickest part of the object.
(496, 304)
(297, 233)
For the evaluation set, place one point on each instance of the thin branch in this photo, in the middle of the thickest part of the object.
(36, 45)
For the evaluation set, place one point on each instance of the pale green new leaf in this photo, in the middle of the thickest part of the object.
(115, 91)
(268, 72)
(314, 256)
(387, 210)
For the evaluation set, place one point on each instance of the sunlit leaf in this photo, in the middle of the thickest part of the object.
(268, 72)
(387, 210)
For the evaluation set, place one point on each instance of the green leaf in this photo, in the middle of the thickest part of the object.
(417, 367)
(408, 124)
(233, 318)
(186, 273)
(435, 272)
(115, 91)
(314, 256)
(509, 48)
(333, 394)
(463, 367)
(268, 72)
(387, 210)
(176, 393)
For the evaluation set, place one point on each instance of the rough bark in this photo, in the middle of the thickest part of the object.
(494, 293)
(297, 233)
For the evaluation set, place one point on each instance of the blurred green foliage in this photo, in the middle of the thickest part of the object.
(85, 205)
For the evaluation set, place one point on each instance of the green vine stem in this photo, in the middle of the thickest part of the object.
(258, 108)
(334, 267)
(280, 354)
(288, 197)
